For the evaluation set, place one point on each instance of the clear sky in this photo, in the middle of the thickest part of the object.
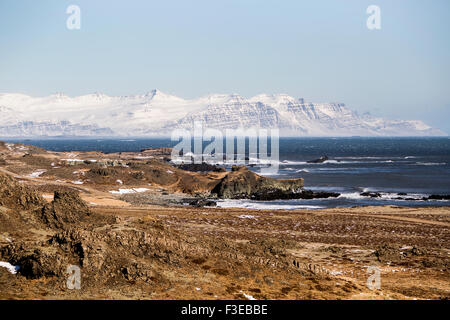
(320, 50)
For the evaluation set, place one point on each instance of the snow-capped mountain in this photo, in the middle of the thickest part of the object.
(158, 114)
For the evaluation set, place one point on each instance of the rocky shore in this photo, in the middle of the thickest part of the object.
(139, 227)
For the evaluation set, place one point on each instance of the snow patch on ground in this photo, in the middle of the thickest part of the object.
(127, 191)
(249, 297)
(246, 216)
(37, 173)
(12, 269)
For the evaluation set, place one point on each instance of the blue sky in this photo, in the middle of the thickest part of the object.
(320, 50)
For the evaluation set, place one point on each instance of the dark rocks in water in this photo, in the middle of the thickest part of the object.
(439, 197)
(277, 194)
(402, 194)
(371, 194)
(406, 199)
(66, 207)
(201, 202)
(320, 160)
(432, 197)
(201, 167)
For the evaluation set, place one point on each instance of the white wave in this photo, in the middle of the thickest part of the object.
(383, 196)
(430, 163)
(352, 195)
(362, 158)
(266, 205)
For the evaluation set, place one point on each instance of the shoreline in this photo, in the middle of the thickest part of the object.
(109, 215)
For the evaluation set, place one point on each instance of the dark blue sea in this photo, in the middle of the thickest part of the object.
(418, 167)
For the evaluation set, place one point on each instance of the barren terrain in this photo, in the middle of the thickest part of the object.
(124, 220)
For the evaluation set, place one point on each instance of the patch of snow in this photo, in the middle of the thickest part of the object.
(119, 181)
(37, 173)
(127, 191)
(249, 297)
(12, 269)
(169, 171)
(127, 115)
(246, 216)
(77, 182)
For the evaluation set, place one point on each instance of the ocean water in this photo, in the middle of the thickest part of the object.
(416, 166)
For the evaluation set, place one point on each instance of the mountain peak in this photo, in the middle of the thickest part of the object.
(158, 95)
(276, 99)
(157, 113)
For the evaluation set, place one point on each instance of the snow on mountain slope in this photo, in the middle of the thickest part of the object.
(158, 114)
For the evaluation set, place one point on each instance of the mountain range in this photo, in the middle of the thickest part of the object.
(158, 114)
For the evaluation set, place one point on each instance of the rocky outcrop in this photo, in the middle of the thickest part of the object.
(66, 208)
(17, 196)
(202, 202)
(241, 183)
(277, 194)
(200, 167)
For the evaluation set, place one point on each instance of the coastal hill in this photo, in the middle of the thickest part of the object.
(158, 114)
